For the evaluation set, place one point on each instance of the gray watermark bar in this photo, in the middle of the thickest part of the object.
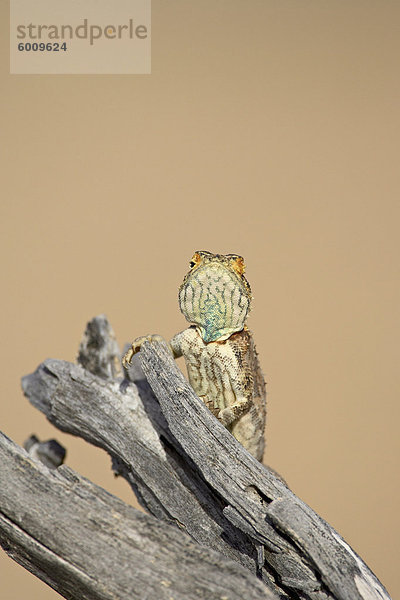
(83, 37)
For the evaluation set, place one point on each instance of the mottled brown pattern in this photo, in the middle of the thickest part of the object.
(227, 377)
(224, 372)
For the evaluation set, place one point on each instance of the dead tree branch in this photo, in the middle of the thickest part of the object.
(85, 543)
(188, 471)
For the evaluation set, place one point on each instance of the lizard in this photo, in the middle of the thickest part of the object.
(218, 348)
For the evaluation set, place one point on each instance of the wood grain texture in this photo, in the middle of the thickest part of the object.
(86, 543)
(189, 471)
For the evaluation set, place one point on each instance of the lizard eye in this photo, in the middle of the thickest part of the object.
(237, 263)
(196, 260)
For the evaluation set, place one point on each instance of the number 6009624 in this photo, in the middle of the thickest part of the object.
(41, 47)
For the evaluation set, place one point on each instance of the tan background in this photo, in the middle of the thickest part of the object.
(268, 129)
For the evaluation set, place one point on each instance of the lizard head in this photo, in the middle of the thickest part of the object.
(215, 295)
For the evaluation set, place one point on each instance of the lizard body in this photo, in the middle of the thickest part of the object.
(218, 349)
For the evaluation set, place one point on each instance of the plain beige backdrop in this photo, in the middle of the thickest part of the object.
(269, 129)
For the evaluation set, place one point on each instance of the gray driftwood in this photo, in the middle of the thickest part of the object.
(50, 453)
(188, 471)
(86, 543)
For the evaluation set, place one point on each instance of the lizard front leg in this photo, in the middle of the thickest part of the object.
(175, 343)
(174, 346)
(231, 413)
(136, 345)
(237, 389)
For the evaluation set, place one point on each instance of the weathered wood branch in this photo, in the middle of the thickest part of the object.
(188, 470)
(86, 543)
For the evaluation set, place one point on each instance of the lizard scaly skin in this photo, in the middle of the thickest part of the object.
(218, 349)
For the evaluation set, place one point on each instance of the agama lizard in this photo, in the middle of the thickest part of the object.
(218, 349)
